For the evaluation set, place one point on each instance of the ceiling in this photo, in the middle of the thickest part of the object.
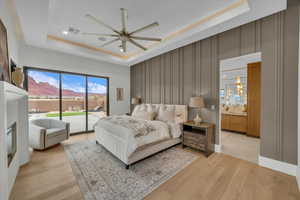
(180, 23)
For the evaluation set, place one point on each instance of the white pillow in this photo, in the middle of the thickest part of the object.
(151, 108)
(166, 115)
(138, 108)
(141, 114)
(175, 129)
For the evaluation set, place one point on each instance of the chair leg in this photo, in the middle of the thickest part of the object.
(97, 142)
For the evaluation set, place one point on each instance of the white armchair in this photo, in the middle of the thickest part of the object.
(44, 133)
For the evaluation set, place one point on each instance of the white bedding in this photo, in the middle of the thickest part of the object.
(119, 126)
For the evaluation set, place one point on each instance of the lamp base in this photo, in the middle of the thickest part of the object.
(197, 119)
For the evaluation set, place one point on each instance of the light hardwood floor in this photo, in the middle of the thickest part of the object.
(240, 145)
(49, 177)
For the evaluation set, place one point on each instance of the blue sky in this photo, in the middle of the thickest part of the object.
(72, 82)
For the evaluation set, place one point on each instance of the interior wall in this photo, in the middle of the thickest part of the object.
(119, 76)
(193, 70)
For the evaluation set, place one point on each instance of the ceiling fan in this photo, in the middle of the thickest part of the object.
(124, 35)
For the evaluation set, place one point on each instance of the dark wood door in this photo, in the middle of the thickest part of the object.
(254, 98)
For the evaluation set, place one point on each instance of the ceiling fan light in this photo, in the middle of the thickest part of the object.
(123, 35)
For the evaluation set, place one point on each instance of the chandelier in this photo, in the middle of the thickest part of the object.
(239, 86)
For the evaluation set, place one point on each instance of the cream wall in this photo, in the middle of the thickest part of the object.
(119, 76)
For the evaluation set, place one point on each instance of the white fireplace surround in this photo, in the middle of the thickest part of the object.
(13, 108)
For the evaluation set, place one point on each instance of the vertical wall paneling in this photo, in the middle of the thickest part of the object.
(248, 38)
(290, 77)
(176, 77)
(168, 79)
(197, 68)
(191, 70)
(187, 73)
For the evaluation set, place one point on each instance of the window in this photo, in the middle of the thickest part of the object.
(75, 98)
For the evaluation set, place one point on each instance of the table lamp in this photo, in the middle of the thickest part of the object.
(197, 102)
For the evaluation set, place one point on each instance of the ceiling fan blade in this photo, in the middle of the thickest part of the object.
(124, 19)
(101, 34)
(137, 44)
(124, 46)
(146, 38)
(144, 28)
(110, 42)
(101, 23)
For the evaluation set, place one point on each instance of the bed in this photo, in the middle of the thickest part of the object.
(134, 138)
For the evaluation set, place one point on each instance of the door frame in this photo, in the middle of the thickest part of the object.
(234, 61)
(26, 68)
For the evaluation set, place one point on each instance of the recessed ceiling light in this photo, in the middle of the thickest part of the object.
(65, 32)
(102, 39)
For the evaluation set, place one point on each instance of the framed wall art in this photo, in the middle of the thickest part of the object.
(4, 61)
(120, 94)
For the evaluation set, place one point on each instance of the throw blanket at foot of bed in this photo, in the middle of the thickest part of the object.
(135, 132)
(139, 128)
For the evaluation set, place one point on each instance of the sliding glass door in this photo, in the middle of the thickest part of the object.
(43, 89)
(78, 99)
(74, 101)
(97, 99)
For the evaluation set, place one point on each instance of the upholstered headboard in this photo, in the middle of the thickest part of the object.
(181, 112)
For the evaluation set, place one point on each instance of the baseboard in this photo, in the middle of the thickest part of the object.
(298, 177)
(276, 165)
(217, 148)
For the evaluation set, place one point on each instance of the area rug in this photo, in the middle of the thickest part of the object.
(101, 176)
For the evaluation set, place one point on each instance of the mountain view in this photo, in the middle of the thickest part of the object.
(46, 89)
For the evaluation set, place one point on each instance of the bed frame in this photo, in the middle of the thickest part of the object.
(140, 155)
(118, 147)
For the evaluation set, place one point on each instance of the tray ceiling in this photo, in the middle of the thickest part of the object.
(43, 23)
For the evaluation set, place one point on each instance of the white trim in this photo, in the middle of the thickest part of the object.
(298, 178)
(276, 165)
(217, 148)
(298, 129)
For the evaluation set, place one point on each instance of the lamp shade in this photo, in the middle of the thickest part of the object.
(135, 100)
(196, 102)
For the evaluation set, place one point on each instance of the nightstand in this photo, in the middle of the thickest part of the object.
(199, 136)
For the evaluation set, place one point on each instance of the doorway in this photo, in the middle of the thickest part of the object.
(240, 84)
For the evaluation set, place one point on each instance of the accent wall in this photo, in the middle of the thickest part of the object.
(192, 70)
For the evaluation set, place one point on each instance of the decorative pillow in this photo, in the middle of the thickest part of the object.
(166, 115)
(175, 129)
(139, 108)
(151, 108)
(140, 114)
